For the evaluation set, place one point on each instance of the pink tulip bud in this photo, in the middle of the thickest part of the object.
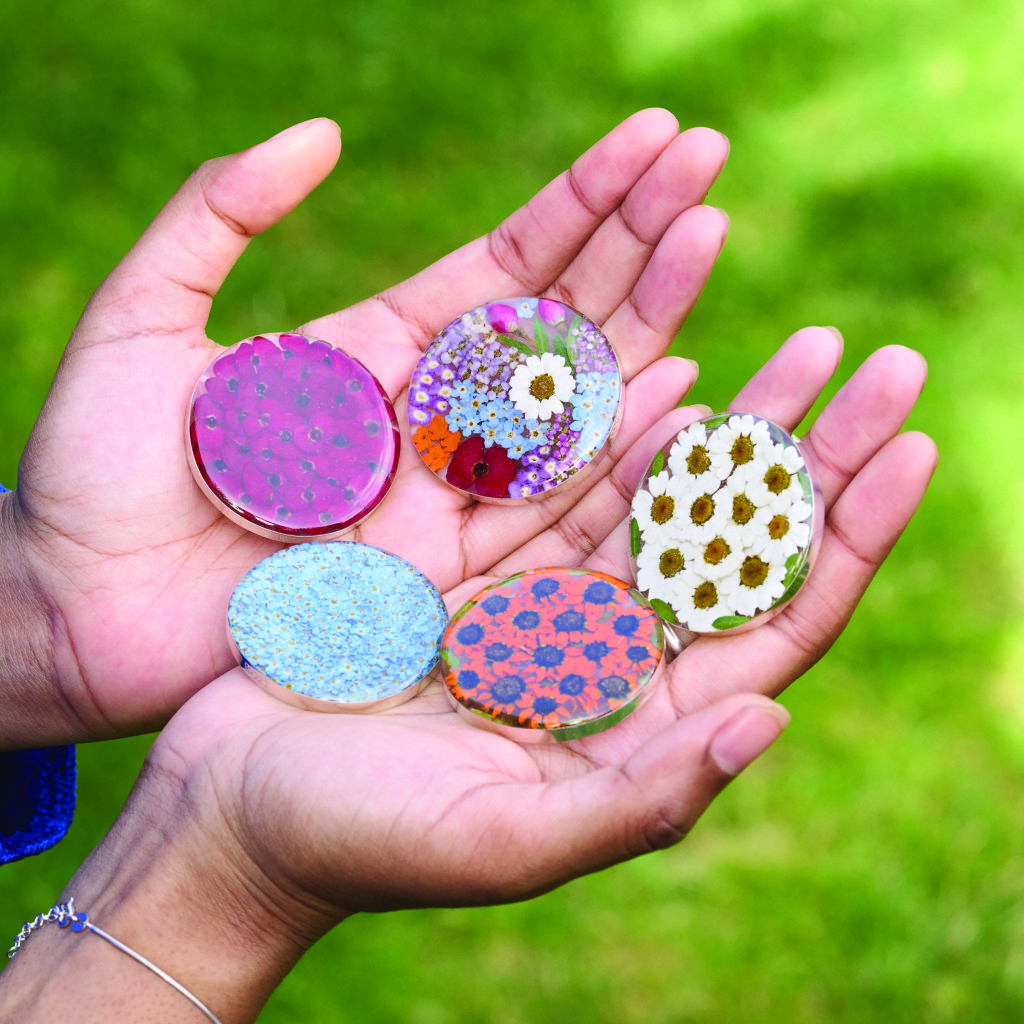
(502, 318)
(552, 312)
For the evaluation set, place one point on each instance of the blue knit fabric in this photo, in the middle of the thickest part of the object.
(37, 797)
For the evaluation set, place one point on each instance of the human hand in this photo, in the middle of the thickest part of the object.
(255, 827)
(118, 571)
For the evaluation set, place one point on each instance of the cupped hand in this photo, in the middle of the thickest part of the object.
(338, 813)
(120, 568)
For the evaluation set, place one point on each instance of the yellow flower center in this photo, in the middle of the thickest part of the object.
(716, 551)
(670, 563)
(777, 479)
(743, 510)
(698, 461)
(542, 386)
(753, 572)
(702, 509)
(705, 595)
(778, 527)
(742, 450)
(662, 509)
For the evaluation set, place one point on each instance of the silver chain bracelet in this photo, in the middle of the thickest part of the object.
(65, 915)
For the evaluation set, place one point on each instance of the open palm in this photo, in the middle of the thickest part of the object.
(417, 807)
(129, 569)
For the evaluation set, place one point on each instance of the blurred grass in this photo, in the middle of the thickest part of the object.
(870, 868)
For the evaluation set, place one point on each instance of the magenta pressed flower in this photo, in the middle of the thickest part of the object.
(502, 318)
(291, 437)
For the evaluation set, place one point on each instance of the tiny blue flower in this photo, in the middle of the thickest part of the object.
(527, 620)
(468, 679)
(595, 651)
(544, 705)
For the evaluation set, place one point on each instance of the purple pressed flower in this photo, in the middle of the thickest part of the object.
(266, 358)
(256, 485)
(502, 318)
(310, 441)
(551, 312)
(222, 391)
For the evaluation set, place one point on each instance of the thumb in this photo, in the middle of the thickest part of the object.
(169, 277)
(651, 801)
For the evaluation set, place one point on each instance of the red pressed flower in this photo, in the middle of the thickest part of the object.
(480, 470)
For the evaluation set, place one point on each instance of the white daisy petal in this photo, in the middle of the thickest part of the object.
(737, 442)
(689, 457)
(758, 584)
(540, 384)
(782, 534)
(658, 565)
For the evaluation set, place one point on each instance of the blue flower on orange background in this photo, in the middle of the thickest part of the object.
(626, 625)
(471, 634)
(614, 687)
(599, 592)
(569, 622)
(495, 604)
(548, 656)
(527, 619)
(497, 652)
(545, 587)
(572, 685)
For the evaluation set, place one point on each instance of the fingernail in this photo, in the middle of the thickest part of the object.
(701, 410)
(295, 128)
(835, 330)
(725, 216)
(694, 364)
(747, 735)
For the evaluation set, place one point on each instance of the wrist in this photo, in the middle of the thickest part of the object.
(169, 882)
(34, 712)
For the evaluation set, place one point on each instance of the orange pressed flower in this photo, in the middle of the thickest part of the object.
(435, 442)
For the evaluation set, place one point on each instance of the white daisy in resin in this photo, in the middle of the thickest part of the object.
(742, 511)
(659, 568)
(784, 533)
(737, 443)
(721, 556)
(757, 584)
(540, 385)
(774, 480)
(690, 459)
(659, 508)
(705, 514)
(700, 601)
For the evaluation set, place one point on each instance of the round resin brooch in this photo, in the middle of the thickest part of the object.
(552, 654)
(726, 525)
(337, 627)
(515, 399)
(292, 438)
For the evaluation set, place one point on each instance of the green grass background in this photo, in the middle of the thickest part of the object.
(871, 867)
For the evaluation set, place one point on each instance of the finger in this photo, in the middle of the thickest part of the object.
(861, 529)
(651, 802)
(868, 410)
(786, 387)
(169, 277)
(586, 527)
(643, 326)
(604, 272)
(526, 252)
